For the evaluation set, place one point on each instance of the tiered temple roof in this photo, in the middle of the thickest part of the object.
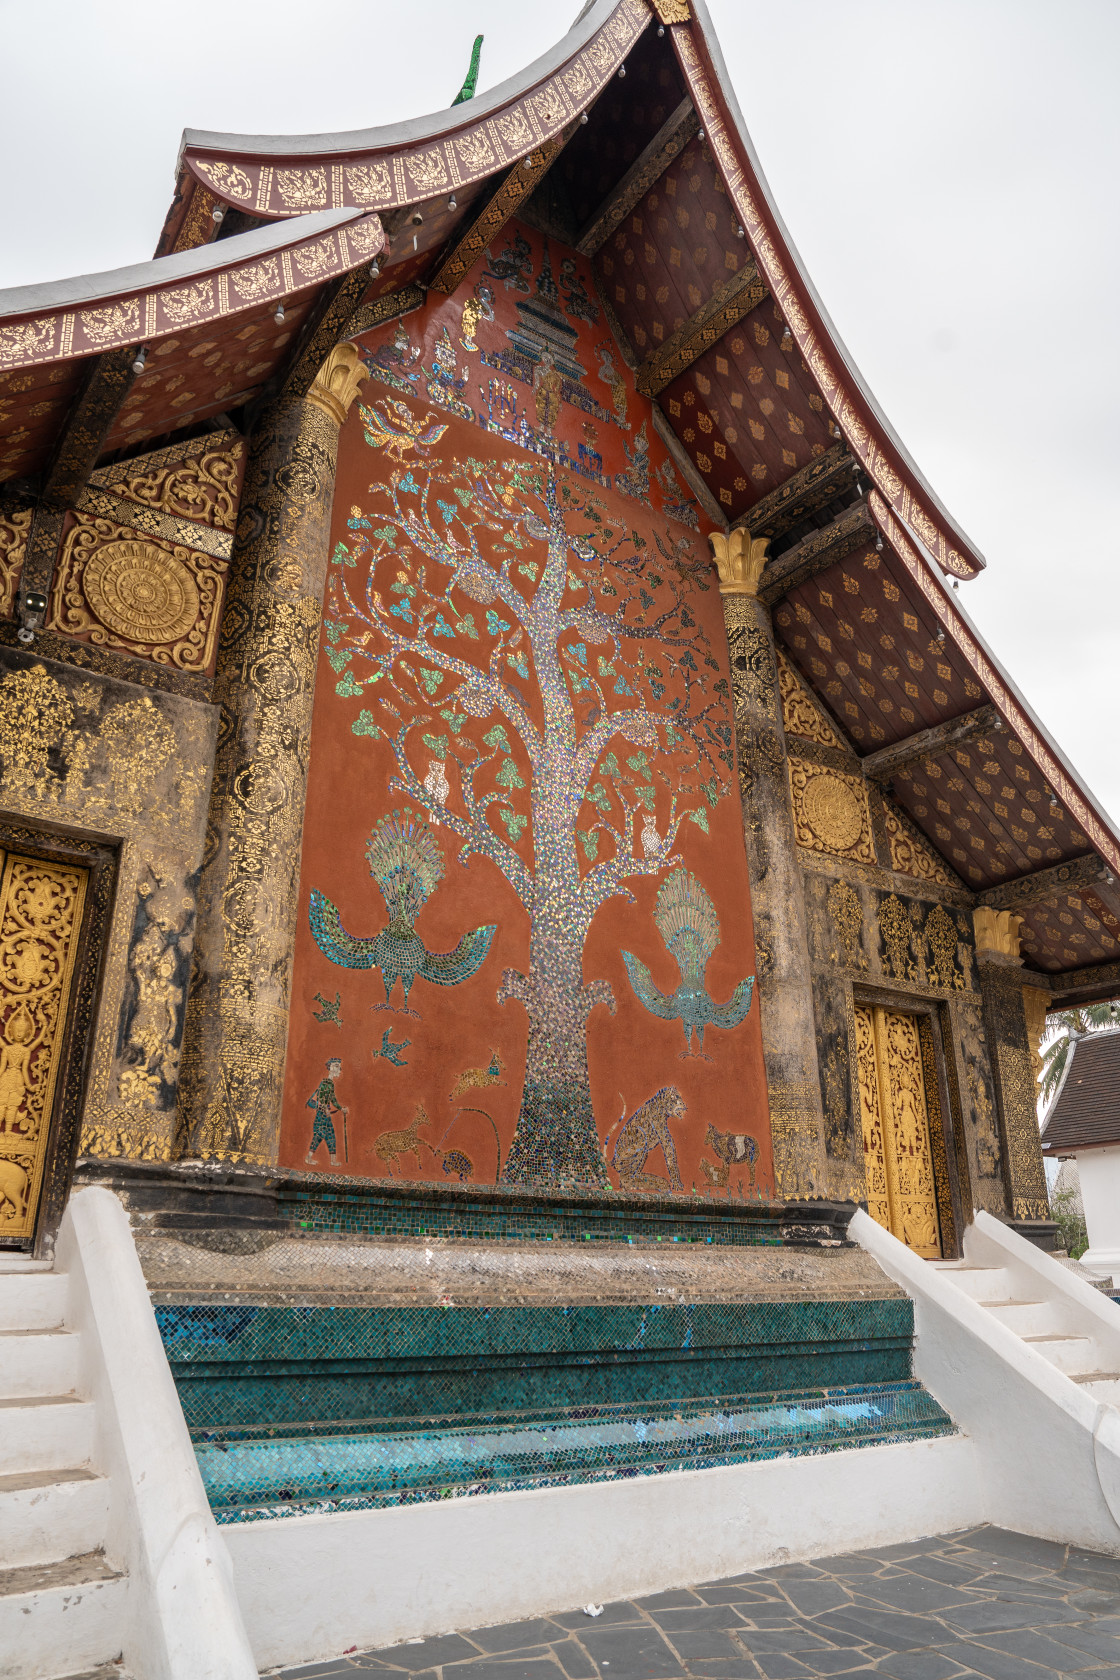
(626, 143)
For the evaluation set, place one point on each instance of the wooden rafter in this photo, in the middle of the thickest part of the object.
(927, 743)
(521, 180)
(817, 552)
(647, 169)
(802, 493)
(1070, 877)
(385, 308)
(79, 443)
(723, 310)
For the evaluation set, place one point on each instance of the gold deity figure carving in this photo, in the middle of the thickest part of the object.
(15, 1069)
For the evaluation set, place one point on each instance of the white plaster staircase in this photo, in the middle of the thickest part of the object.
(62, 1602)
(1024, 1355)
(1046, 1320)
(110, 1560)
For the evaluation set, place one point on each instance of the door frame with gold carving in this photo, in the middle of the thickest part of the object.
(943, 1106)
(97, 856)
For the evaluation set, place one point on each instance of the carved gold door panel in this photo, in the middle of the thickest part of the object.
(896, 1141)
(40, 920)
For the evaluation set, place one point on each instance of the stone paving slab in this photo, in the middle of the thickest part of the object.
(983, 1603)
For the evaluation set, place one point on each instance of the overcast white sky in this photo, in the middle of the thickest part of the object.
(948, 169)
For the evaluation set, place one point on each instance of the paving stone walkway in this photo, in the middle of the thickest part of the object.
(985, 1602)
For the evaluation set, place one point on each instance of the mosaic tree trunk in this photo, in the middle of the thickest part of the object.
(550, 775)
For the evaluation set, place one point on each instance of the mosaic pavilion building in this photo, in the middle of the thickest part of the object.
(495, 765)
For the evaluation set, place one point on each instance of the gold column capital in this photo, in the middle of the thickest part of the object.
(337, 382)
(997, 934)
(740, 559)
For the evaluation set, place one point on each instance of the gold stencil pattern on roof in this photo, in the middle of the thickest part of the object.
(40, 918)
(800, 713)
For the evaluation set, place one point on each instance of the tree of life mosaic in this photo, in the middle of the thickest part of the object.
(525, 953)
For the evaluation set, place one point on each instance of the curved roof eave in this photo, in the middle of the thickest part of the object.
(158, 271)
(392, 136)
(960, 556)
(86, 314)
(280, 176)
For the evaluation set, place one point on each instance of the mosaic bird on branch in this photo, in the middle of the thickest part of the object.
(687, 922)
(407, 865)
(400, 431)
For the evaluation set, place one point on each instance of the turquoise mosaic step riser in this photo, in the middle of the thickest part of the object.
(226, 1397)
(245, 1365)
(368, 1215)
(250, 1480)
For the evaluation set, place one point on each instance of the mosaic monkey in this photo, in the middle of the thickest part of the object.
(648, 1129)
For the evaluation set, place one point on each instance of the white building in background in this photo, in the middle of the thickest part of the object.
(1084, 1126)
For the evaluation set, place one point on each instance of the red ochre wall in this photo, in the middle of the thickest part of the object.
(460, 472)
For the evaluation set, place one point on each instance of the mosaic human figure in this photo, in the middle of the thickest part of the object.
(324, 1100)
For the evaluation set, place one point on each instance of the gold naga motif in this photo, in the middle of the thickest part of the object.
(896, 1134)
(910, 855)
(800, 713)
(40, 918)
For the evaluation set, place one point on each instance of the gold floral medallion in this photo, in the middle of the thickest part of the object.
(142, 592)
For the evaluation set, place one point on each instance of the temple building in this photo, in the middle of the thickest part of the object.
(528, 908)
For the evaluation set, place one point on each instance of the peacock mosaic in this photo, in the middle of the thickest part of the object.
(525, 954)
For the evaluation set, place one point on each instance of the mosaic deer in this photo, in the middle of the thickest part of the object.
(477, 1077)
(390, 1146)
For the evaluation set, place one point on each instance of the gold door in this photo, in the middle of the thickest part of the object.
(40, 921)
(896, 1147)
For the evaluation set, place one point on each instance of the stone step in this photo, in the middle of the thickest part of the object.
(983, 1283)
(46, 1515)
(62, 1619)
(1028, 1318)
(33, 1300)
(45, 1432)
(1075, 1355)
(36, 1362)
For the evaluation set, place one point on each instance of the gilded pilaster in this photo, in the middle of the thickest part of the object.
(232, 1076)
(1009, 1052)
(802, 1166)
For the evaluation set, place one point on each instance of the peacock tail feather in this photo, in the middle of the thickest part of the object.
(687, 921)
(405, 861)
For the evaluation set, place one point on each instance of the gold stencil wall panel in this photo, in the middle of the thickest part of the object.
(118, 588)
(15, 528)
(800, 713)
(830, 811)
(83, 751)
(40, 920)
(205, 487)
